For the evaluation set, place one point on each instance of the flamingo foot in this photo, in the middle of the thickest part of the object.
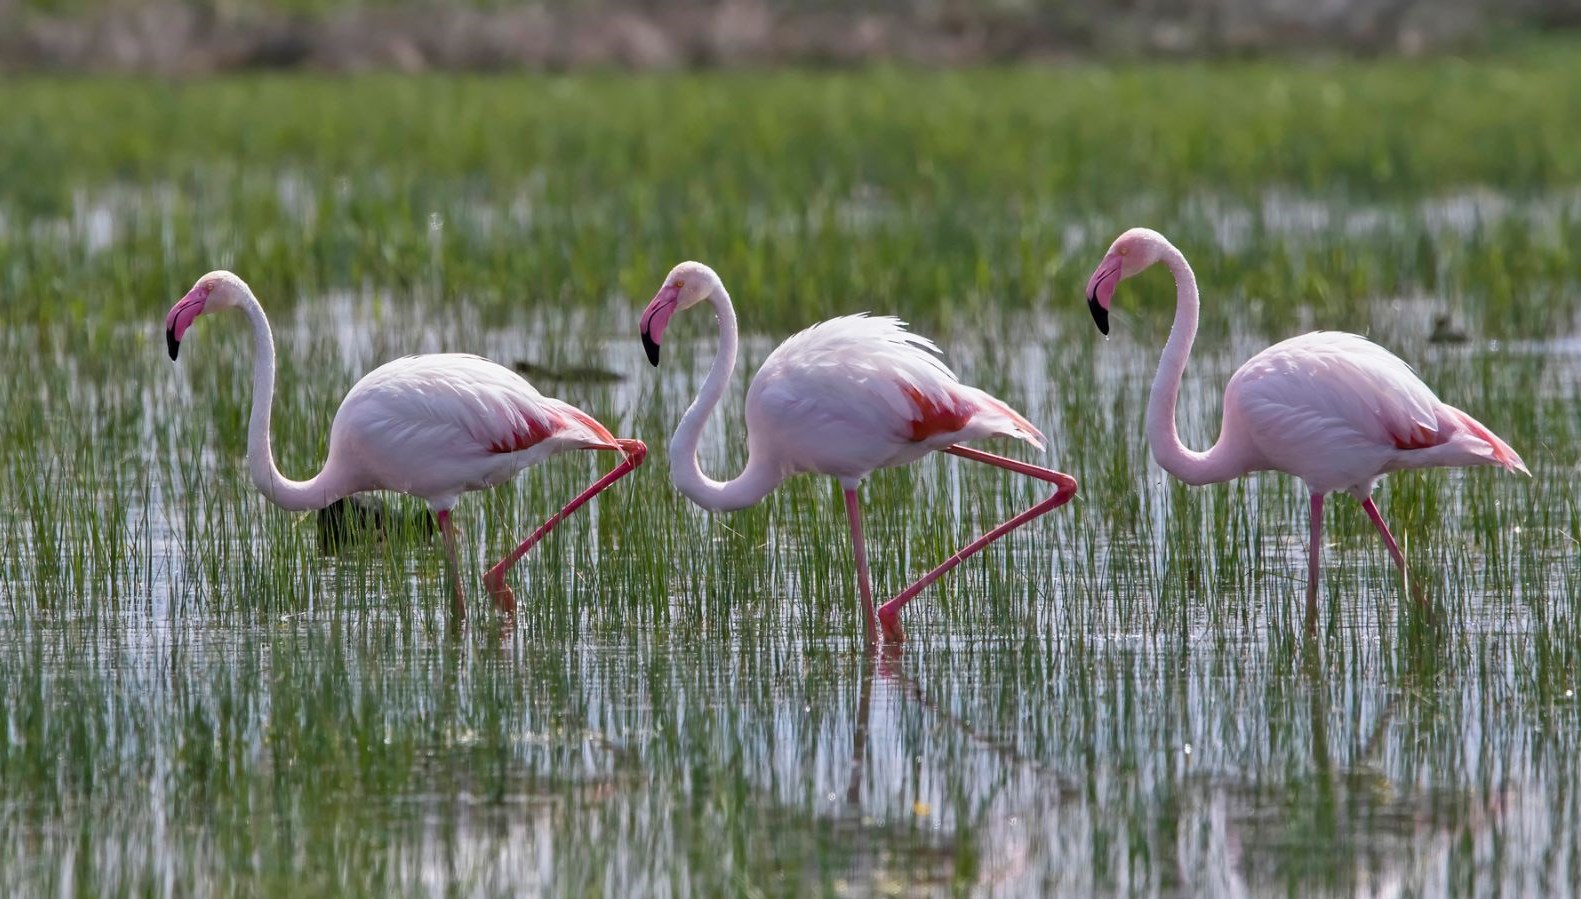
(890, 619)
(504, 596)
(1423, 606)
(870, 632)
(1419, 594)
(889, 613)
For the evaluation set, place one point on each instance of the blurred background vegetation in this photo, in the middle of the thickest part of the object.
(198, 36)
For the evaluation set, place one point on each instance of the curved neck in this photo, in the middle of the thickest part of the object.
(1221, 462)
(297, 496)
(758, 479)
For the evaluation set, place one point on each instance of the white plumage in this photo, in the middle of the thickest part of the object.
(857, 393)
(438, 425)
(1338, 411)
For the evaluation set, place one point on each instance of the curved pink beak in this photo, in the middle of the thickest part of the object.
(181, 316)
(1100, 290)
(657, 317)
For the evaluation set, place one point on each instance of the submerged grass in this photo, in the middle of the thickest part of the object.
(1114, 700)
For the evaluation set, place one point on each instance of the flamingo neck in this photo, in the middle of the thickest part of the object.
(759, 478)
(1221, 462)
(296, 496)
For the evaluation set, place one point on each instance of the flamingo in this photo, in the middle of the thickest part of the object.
(432, 426)
(844, 398)
(1333, 409)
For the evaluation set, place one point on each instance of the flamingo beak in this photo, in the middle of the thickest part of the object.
(651, 347)
(181, 316)
(656, 318)
(1100, 290)
(1100, 316)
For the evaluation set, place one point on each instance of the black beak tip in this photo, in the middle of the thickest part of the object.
(651, 348)
(1100, 315)
(171, 343)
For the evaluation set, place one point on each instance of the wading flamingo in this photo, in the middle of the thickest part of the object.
(433, 426)
(1336, 410)
(843, 398)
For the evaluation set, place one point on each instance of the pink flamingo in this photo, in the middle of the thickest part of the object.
(1336, 410)
(431, 426)
(844, 398)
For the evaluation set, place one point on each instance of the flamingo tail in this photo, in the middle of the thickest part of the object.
(1500, 452)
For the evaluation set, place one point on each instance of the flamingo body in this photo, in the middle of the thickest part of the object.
(484, 421)
(858, 393)
(1339, 412)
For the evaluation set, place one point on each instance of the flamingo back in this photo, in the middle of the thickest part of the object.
(443, 423)
(858, 392)
(1339, 411)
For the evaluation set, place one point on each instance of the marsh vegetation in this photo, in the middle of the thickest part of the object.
(1117, 700)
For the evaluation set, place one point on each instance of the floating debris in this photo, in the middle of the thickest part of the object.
(585, 374)
(1447, 330)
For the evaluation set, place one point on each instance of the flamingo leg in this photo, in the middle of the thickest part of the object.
(1394, 548)
(1314, 558)
(853, 511)
(1388, 538)
(889, 613)
(458, 597)
(504, 598)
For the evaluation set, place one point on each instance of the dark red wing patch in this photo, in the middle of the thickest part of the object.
(530, 432)
(526, 434)
(1419, 437)
(935, 418)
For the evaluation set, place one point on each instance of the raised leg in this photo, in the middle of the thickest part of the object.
(1394, 548)
(504, 598)
(889, 613)
(1388, 538)
(1314, 559)
(447, 530)
(853, 511)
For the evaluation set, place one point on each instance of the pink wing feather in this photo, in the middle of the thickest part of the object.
(873, 369)
(465, 403)
(1327, 394)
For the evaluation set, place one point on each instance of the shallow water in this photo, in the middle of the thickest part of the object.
(1116, 700)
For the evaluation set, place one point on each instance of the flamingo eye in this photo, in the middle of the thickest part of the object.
(1124, 250)
(679, 284)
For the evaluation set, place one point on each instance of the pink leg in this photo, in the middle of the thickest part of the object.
(447, 530)
(1314, 557)
(504, 598)
(889, 613)
(1394, 548)
(853, 511)
(1388, 538)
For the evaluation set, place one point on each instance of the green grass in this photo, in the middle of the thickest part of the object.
(193, 699)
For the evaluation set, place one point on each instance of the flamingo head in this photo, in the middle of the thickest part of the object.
(685, 286)
(215, 290)
(1130, 253)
